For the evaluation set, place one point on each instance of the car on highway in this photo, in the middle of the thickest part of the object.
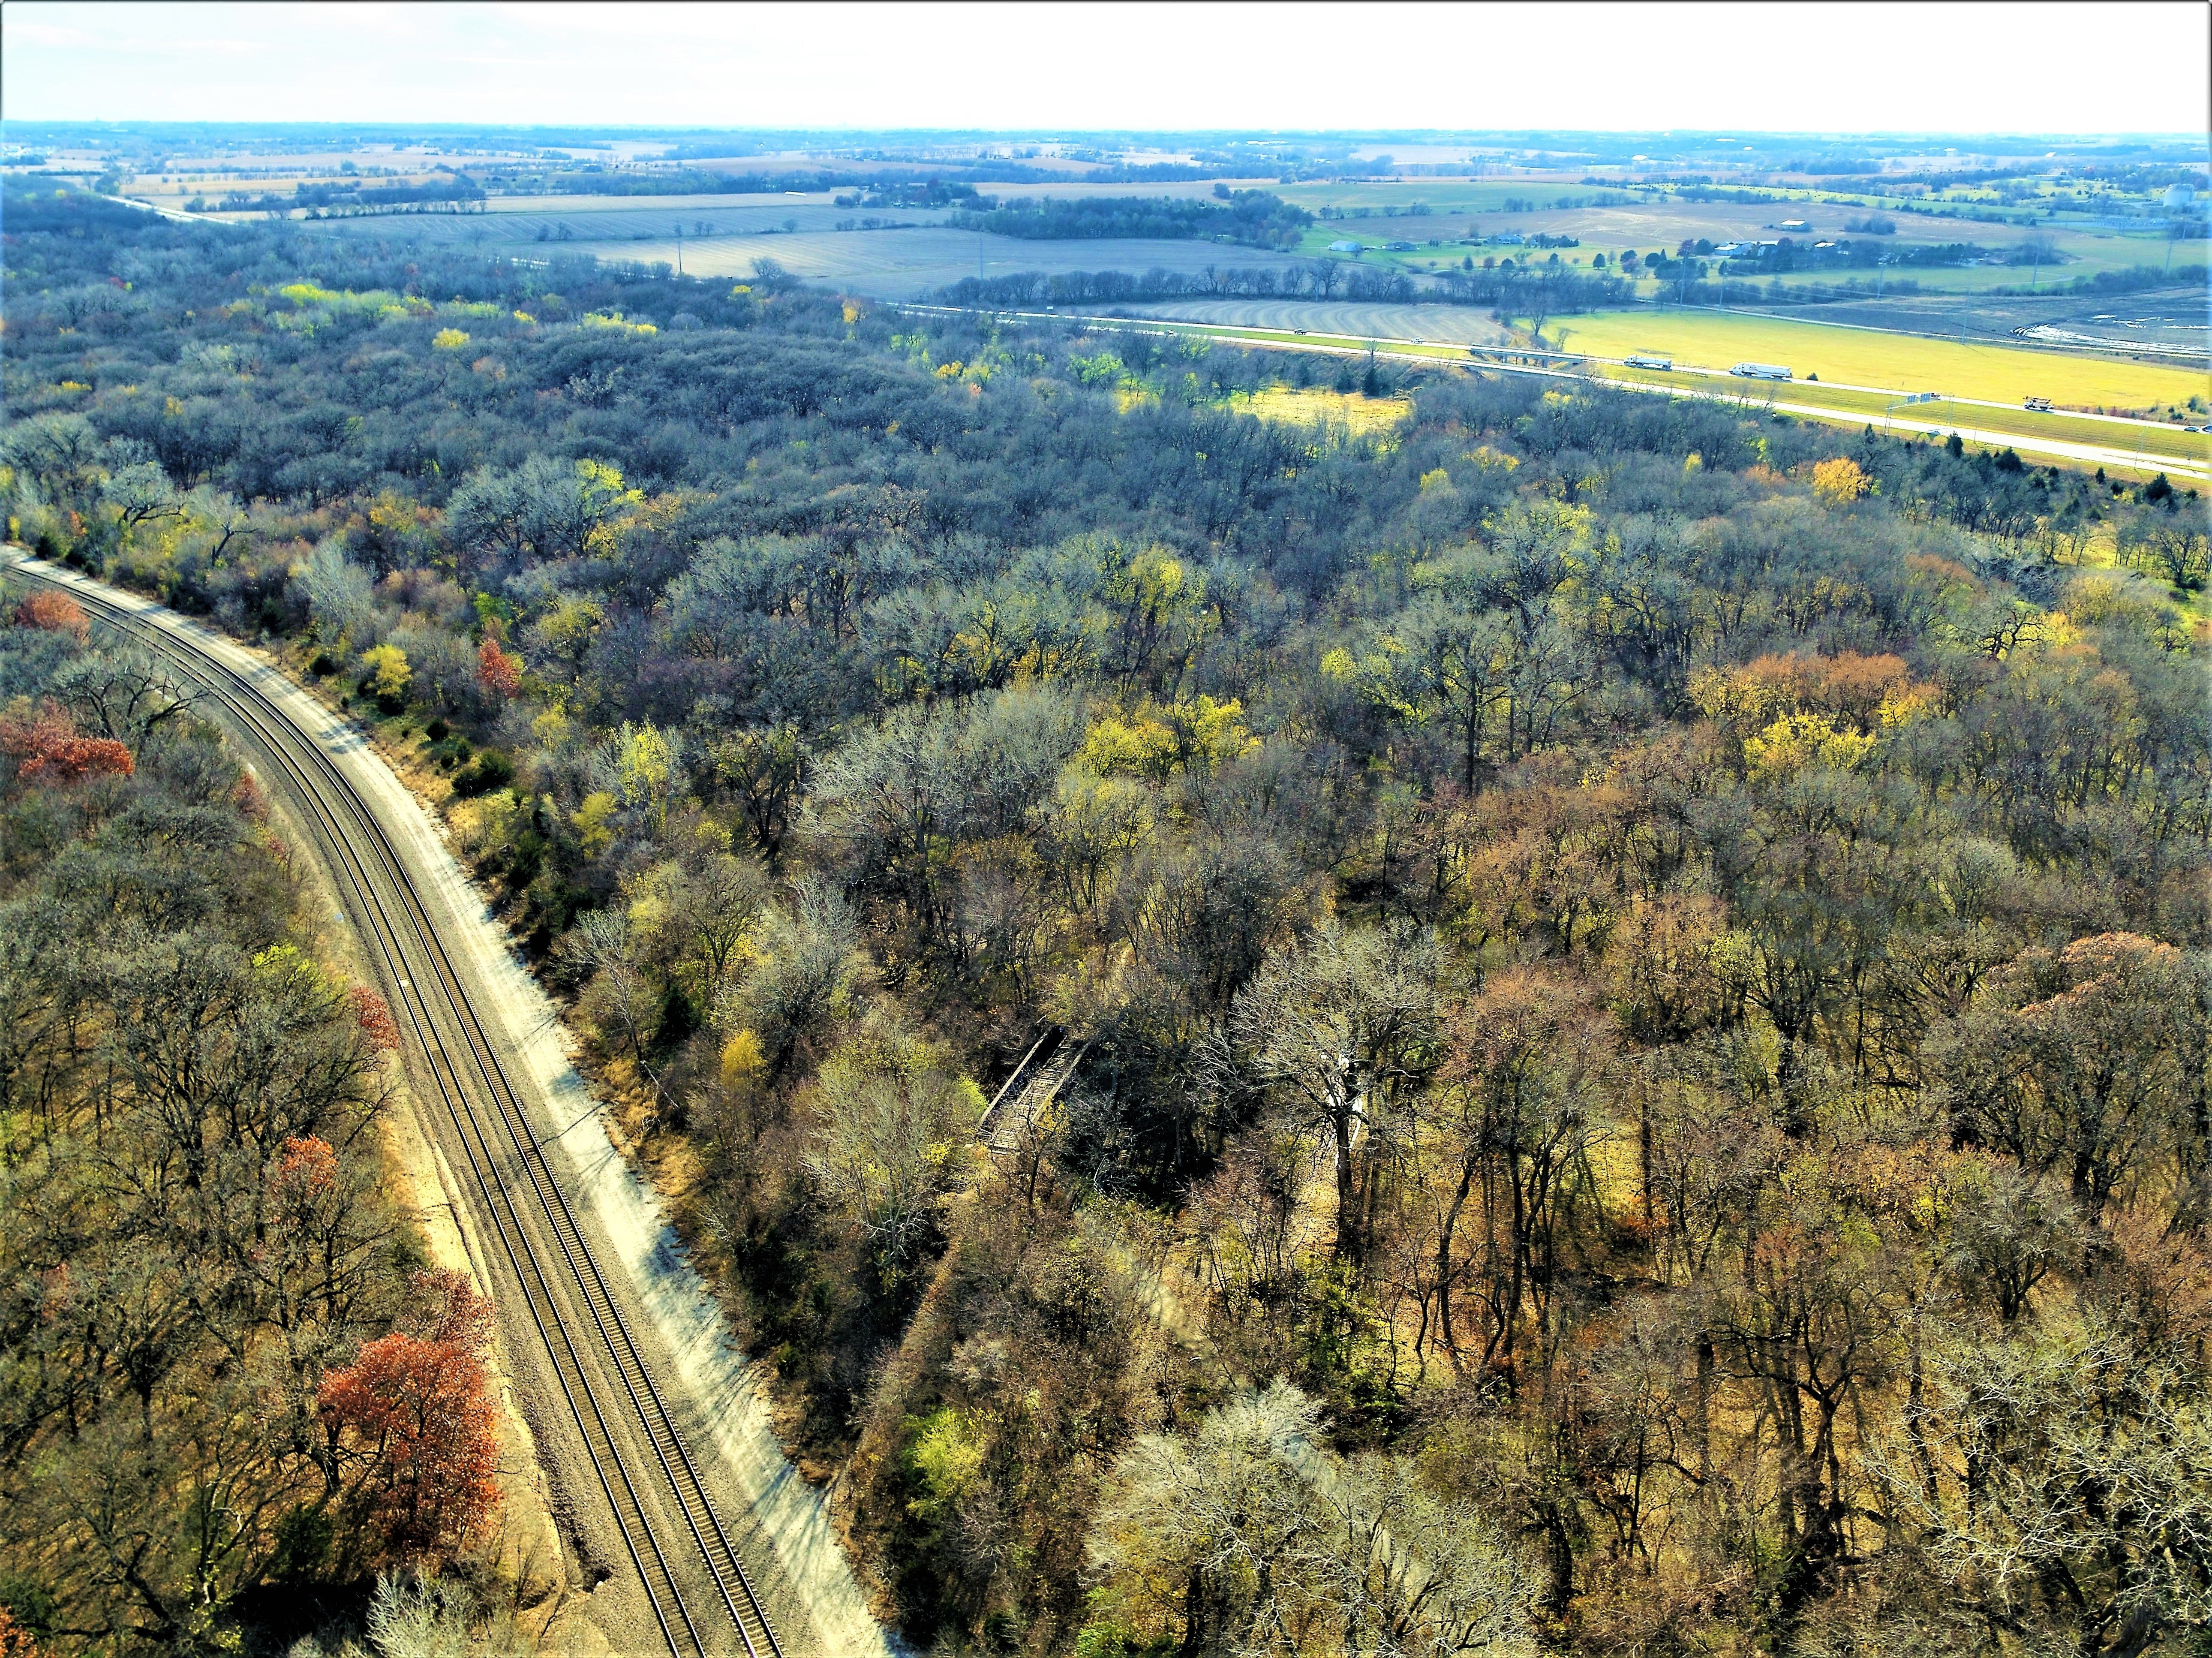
(2040, 405)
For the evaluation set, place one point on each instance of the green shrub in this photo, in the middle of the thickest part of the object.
(488, 771)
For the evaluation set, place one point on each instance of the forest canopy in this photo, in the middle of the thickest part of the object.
(1634, 973)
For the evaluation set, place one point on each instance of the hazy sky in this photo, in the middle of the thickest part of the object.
(1774, 67)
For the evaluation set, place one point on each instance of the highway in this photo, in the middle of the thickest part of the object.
(1892, 392)
(2099, 454)
(670, 1528)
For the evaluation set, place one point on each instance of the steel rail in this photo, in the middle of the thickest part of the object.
(277, 732)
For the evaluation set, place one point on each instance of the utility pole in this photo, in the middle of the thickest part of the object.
(679, 250)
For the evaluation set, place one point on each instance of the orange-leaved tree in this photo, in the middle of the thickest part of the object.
(410, 1427)
(56, 612)
(497, 671)
(16, 1641)
(373, 1015)
(46, 747)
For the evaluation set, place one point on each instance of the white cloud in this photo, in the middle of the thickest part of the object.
(1801, 68)
(45, 34)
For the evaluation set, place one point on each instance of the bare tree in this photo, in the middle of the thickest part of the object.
(1249, 1538)
(1337, 1031)
(124, 695)
(892, 1117)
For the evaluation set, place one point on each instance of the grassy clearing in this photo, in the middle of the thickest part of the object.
(1304, 405)
(2101, 557)
(1714, 339)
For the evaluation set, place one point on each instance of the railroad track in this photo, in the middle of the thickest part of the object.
(504, 1156)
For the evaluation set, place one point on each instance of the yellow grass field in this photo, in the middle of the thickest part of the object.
(1303, 406)
(1857, 356)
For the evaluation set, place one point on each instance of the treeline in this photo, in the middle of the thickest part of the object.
(910, 193)
(1832, 166)
(1253, 217)
(1550, 290)
(230, 1393)
(714, 181)
(682, 181)
(1684, 288)
(1324, 280)
(338, 199)
(1863, 255)
(2134, 279)
(1637, 970)
(1518, 289)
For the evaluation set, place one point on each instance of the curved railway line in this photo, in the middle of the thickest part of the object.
(502, 1156)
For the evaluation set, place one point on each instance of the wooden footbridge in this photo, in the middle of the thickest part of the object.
(1025, 1098)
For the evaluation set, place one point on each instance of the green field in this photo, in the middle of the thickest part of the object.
(1859, 356)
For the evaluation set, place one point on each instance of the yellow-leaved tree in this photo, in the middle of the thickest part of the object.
(1841, 481)
(647, 767)
(388, 670)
